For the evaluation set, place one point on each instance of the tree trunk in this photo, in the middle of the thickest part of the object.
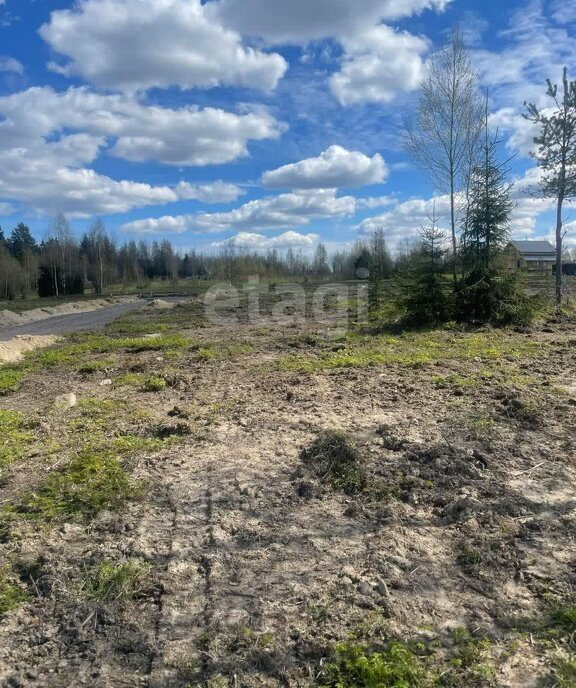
(453, 227)
(559, 252)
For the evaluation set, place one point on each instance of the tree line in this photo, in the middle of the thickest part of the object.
(63, 265)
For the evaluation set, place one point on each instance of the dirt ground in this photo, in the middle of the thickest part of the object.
(460, 542)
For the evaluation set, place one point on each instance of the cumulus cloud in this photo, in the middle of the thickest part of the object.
(335, 168)
(217, 192)
(301, 21)
(286, 210)
(168, 224)
(44, 177)
(249, 241)
(187, 136)
(135, 45)
(405, 220)
(378, 64)
(44, 167)
(521, 132)
(373, 202)
(10, 64)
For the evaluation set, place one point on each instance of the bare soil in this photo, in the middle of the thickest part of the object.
(258, 566)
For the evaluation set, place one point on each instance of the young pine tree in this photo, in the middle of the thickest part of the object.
(556, 156)
(423, 294)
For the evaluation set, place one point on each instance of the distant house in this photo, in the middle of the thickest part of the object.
(534, 257)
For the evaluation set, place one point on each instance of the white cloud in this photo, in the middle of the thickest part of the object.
(43, 177)
(301, 21)
(286, 210)
(378, 64)
(373, 202)
(167, 224)
(535, 50)
(248, 241)
(335, 168)
(45, 168)
(6, 209)
(187, 136)
(564, 12)
(10, 64)
(406, 219)
(521, 132)
(135, 45)
(217, 192)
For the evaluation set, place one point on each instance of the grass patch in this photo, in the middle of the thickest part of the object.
(10, 378)
(67, 354)
(415, 350)
(14, 442)
(111, 581)
(92, 481)
(155, 384)
(216, 351)
(353, 666)
(130, 380)
(335, 460)
(564, 674)
(90, 367)
(400, 664)
(10, 594)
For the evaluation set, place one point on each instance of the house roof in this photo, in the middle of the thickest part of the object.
(531, 247)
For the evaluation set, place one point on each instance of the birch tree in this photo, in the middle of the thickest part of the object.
(445, 132)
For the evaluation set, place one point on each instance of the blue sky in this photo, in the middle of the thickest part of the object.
(267, 122)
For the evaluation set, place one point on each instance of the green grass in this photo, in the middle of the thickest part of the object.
(564, 675)
(10, 594)
(413, 664)
(14, 441)
(10, 378)
(112, 581)
(416, 350)
(217, 351)
(91, 481)
(353, 666)
(89, 367)
(130, 380)
(155, 384)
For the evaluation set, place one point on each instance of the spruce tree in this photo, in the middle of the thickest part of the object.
(488, 294)
(485, 231)
(423, 294)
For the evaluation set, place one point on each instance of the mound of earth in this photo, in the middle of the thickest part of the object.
(12, 350)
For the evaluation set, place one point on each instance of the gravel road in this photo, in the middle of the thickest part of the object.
(76, 322)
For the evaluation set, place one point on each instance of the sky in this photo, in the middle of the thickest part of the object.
(267, 123)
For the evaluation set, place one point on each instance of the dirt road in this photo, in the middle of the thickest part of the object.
(77, 322)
